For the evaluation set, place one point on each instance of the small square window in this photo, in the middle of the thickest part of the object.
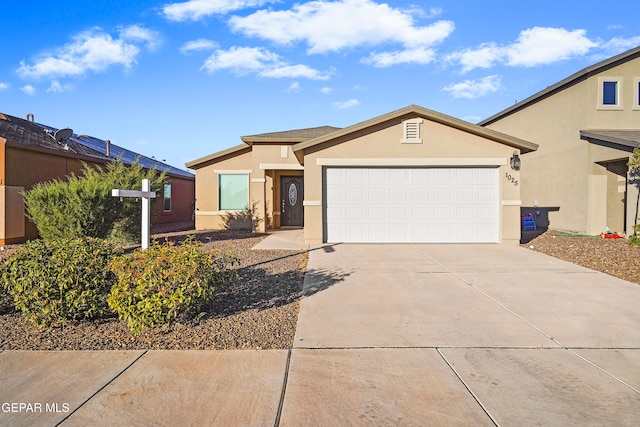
(233, 192)
(166, 198)
(610, 93)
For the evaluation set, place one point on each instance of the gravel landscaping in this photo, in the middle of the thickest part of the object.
(262, 312)
(612, 256)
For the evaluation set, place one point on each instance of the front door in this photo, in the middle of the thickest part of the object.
(291, 196)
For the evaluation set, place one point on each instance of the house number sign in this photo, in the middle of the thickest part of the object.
(293, 194)
(511, 179)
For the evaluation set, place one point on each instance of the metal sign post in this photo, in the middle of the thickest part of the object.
(146, 195)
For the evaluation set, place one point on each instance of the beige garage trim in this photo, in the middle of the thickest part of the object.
(442, 161)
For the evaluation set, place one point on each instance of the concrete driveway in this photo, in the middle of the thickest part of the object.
(462, 335)
(451, 335)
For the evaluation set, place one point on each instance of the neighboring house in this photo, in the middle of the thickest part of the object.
(586, 126)
(412, 175)
(29, 154)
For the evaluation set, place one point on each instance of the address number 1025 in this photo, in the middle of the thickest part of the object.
(512, 179)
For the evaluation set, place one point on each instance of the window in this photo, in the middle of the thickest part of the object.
(166, 198)
(610, 93)
(636, 93)
(233, 191)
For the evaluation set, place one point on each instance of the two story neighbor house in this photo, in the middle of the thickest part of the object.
(412, 175)
(586, 127)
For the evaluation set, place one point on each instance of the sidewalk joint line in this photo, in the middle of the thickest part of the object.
(562, 346)
(126, 368)
(603, 370)
(284, 389)
(486, 411)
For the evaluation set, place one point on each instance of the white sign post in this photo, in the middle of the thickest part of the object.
(146, 195)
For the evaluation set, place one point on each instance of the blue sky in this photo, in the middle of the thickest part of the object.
(182, 80)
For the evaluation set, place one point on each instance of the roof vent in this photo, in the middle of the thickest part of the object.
(107, 149)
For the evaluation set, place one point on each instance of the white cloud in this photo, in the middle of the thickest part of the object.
(619, 44)
(195, 45)
(57, 87)
(534, 46)
(294, 87)
(409, 56)
(471, 89)
(91, 51)
(538, 46)
(29, 90)
(326, 90)
(347, 104)
(245, 60)
(4, 86)
(329, 26)
(137, 33)
(194, 10)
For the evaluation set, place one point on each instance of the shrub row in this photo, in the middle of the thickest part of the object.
(59, 280)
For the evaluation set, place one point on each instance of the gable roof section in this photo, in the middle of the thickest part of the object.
(198, 163)
(566, 83)
(290, 136)
(620, 139)
(26, 134)
(416, 111)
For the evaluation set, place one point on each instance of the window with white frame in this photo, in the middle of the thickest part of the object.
(166, 198)
(610, 93)
(233, 192)
(411, 131)
(636, 93)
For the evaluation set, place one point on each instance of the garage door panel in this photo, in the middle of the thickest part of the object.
(412, 205)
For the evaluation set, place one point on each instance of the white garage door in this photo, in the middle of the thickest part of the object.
(397, 205)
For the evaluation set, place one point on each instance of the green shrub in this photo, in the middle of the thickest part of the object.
(634, 239)
(52, 282)
(157, 285)
(83, 206)
(6, 301)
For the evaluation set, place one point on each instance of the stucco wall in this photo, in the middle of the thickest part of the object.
(439, 142)
(559, 175)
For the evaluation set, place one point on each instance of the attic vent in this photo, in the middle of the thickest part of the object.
(411, 131)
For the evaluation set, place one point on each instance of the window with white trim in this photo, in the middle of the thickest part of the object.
(233, 192)
(411, 131)
(636, 93)
(166, 198)
(610, 93)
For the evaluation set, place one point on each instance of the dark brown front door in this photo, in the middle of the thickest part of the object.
(291, 196)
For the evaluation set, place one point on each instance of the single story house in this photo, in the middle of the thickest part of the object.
(30, 154)
(412, 175)
(586, 126)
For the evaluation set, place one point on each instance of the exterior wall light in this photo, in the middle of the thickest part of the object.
(515, 161)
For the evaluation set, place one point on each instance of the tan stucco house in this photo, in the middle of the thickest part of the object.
(586, 126)
(412, 175)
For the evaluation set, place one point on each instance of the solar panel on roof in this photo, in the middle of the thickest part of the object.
(128, 157)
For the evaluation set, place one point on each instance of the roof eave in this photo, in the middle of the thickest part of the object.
(522, 145)
(211, 157)
(599, 139)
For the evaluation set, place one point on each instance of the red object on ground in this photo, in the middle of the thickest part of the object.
(610, 236)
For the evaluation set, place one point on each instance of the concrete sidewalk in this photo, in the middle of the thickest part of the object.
(387, 335)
